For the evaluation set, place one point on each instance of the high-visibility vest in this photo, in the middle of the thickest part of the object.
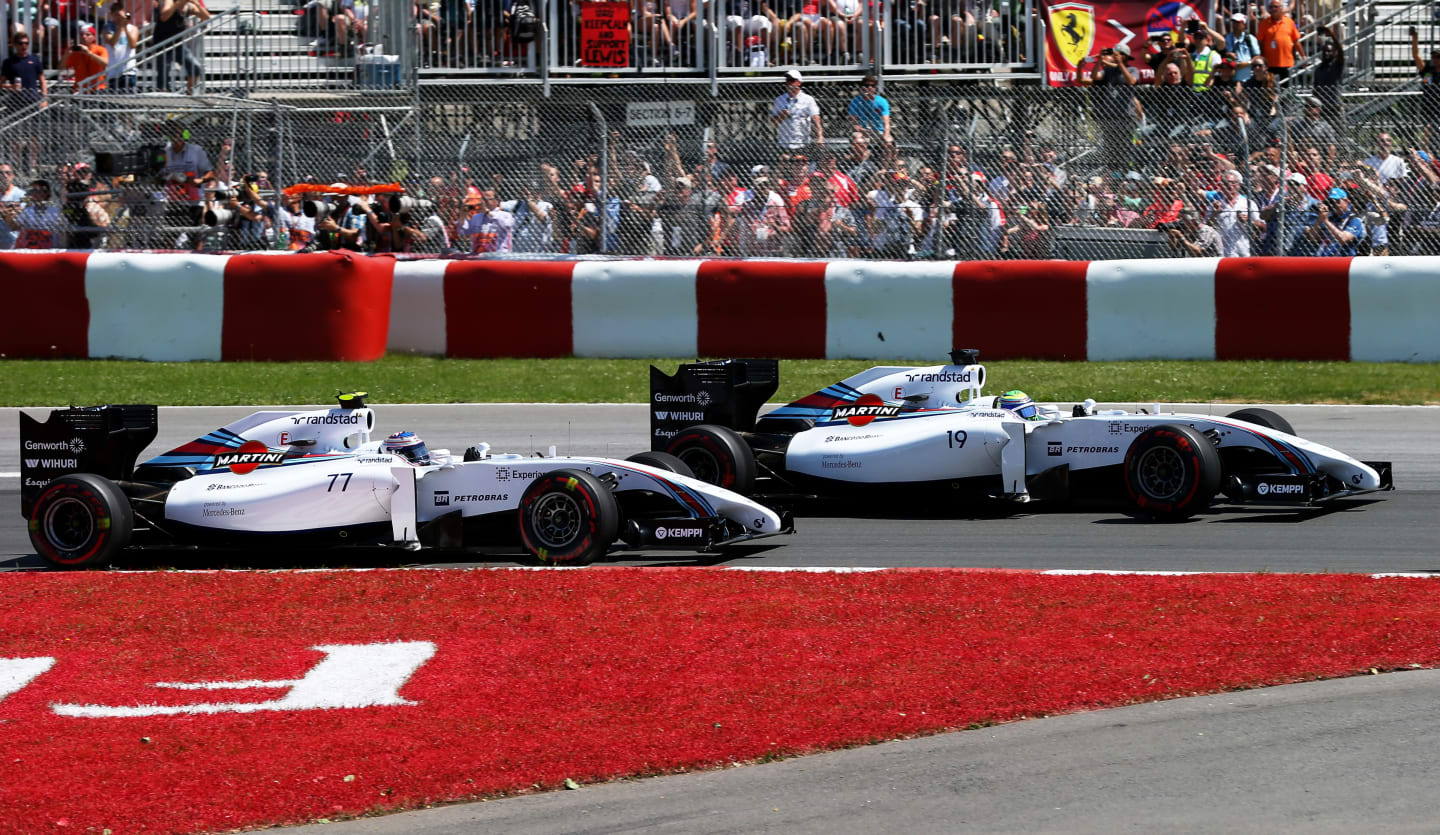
(1204, 67)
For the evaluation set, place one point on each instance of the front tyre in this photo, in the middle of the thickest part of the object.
(81, 521)
(1265, 418)
(567, 517)
(717, 455)
(1171, 472)
(662, 461)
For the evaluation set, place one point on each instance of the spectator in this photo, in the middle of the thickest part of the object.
(533, 229)
(1312, 129)
(488, 227)
(1336, 231)
(1258, 94)
(1280, 41)
(909, 41)
(38, 225)
(1115, 101)
(1192, 239)
(896, 219)
(685, 219)
(251, 213)
(860, 165)
(185, 167)
(1235, 217)
(23, 82)
(87, 61)
(849, 28)
(680, 24)
(1030, 233)
(751, 33)
(765, 221)
(1387, 164)
(796, 115)
(805, 23)
(843, 187)
(1329, 74)
(171, 21)
(11, 198)
(869, 111)
(1298, 209)
(83, 212)
(294, 231)
(979, 224)
(1203, 59)
(122, 38)
(1312, 164)
(1373, 204)
(1165, 206)
(1243, 45)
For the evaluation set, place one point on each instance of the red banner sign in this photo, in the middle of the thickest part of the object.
(604, 34)
(1079, 30)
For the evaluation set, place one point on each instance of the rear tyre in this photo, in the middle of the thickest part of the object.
(81, 521)
(662, 461)
(717, 455)
(1171, 472)
(567, 517)
(1265, 418)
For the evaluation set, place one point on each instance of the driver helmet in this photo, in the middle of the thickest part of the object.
(408, 445)
(1020, 403)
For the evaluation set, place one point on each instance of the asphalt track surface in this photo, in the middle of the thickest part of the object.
(1340, 756)
(1388, 532)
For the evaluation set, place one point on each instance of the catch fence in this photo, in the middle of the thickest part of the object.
(964, 170)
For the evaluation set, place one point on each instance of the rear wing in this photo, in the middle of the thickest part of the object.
(104, 440)
(721, 392)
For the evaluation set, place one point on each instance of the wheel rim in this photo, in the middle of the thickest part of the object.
(68, 524)
(1160, 473)
(557, 520)
(703, 464)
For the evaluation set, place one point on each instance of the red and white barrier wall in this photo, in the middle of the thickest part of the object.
(194, 307)
(341, 306)
(1378, 309)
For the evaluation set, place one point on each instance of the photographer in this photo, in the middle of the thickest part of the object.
(121, 37)
(343, 226)
(1336, 231)
(246, 215)
(83, 213)
(1189, 238)
(1114, 99)
(87, 61)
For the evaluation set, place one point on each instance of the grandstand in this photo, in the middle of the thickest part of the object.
(446, 96)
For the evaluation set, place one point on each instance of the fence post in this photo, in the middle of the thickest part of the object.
(602, 200)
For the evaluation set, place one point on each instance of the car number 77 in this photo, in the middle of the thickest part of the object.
(343, 486)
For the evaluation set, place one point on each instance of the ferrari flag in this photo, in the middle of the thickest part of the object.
(1078, 31)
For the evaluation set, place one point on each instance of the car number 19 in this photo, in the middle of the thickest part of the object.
(955, 438)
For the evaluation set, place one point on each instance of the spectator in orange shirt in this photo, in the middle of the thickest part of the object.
(1280, 41)
(88, 60)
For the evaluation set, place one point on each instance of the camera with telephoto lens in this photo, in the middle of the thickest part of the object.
(319, 209)
(414, 205)
(1173, 225)
(221, 216)
(222, 194)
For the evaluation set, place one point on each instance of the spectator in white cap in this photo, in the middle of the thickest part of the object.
(1240, 43)
(796, 115)
(1299, 215)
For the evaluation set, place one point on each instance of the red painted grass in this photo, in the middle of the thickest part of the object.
(595, 674)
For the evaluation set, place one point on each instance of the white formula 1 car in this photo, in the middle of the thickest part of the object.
(316, 479)
(928, 434)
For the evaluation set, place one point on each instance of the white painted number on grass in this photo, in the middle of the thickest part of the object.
(350, 675)
(15, 673)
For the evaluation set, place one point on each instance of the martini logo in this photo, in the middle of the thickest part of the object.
(250, 455)
(1072, 25)
(866, 408)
